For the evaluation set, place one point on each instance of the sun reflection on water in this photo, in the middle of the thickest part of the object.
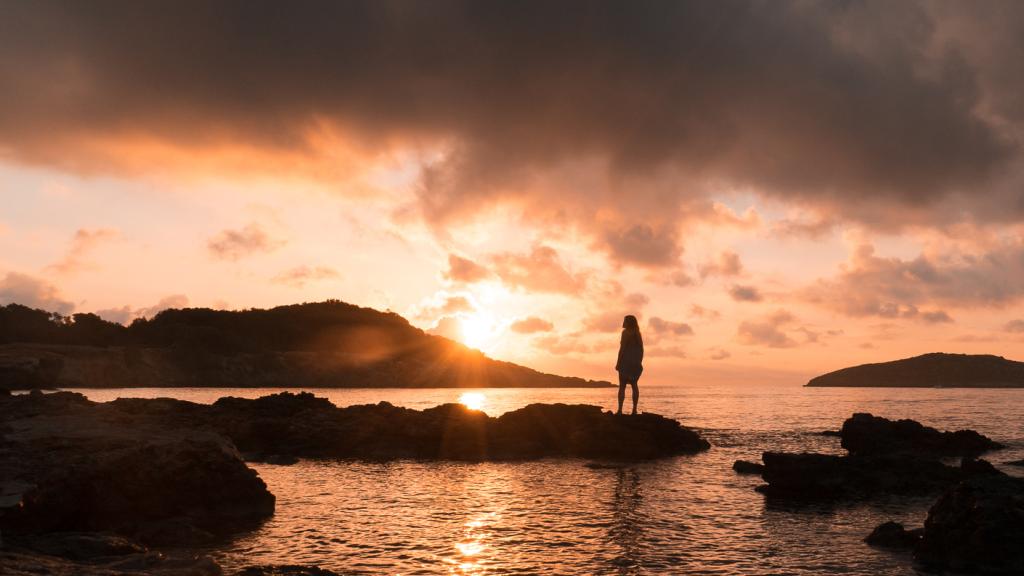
(473, 400)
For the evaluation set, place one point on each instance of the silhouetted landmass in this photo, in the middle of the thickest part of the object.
(935, 370)
(91, 482)
(327, 344)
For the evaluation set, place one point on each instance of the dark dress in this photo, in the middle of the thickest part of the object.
(631, 356)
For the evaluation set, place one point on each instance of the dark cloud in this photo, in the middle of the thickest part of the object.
(870, 285)
(531, 325)
(237, 244)
(82, 244)
(662, 326)
(465, 270)
(301, 275)
(18, 288)
(741, 293)
(768, 331)
(618, 117)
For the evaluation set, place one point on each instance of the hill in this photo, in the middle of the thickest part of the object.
(935, 370)
(316, 345)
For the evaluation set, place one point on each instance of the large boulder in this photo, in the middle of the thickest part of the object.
(977, 527)
(894, 535)
(70, 466)
(865, 434)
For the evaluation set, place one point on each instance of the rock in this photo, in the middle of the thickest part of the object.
(894, 535)
(836, 433)
(304, 426)
(285, 570)
(747, 467)
(976, 527)
(281, 460)
(73, 465)
(82, 545)
(825, 476)
(179, 532)
(865, 434)
(25, 563)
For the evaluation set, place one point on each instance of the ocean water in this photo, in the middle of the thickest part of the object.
(684, 515)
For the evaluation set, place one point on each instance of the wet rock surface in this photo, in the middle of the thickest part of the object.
(976, 527)
(747, 467)
(885, 457)
(865, 434)
(894, 535)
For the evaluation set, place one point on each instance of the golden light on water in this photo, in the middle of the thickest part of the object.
(473, 400)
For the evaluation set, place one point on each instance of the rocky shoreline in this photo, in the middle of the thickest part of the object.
(977, 524)
(99, 488)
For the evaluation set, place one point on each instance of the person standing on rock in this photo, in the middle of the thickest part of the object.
(630, 363)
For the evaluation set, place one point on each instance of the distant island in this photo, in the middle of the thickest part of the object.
(328, 344)
(935, 370)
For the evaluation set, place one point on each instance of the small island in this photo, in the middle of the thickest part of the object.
(935, 370)
(328, 344)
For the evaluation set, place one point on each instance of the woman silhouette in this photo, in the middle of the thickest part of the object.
(631, 356)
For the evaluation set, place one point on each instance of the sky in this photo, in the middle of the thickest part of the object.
(776, 189)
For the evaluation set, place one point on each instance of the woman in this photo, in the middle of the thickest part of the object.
(631, 355)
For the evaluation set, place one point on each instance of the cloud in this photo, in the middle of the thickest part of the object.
(718, 354)
(82, 244)
(661, 326)
(636, 300)
(122, 315)
(539, 271)
(464, 270)
(448, 326)
(741, 293)
(604, 322)
(18, 288)
(727, 264)
(665, 351)
(767, 331)
(869, 285)
(531, 325)
(301, 275)
(561, 345)
(444, 304)
(698, 311)
(622, 120)
(681, 278)
(1015, 326)
(237, 244)
(173, 301)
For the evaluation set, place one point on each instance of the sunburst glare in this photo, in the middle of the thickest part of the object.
(473, 400)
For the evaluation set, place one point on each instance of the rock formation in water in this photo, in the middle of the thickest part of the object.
(91, 482)
(865, 434)
(894, 535)
(977, 527)
(885, 457)
(931, 371)
(320, 345)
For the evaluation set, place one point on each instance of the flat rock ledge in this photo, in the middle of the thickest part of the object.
(282, 426)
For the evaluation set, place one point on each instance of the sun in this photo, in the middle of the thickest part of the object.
(478, 330)
(473, 400)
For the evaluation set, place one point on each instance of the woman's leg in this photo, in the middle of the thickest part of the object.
(622, 391)
(636, 392)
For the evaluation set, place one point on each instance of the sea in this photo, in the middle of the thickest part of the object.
(682, 515)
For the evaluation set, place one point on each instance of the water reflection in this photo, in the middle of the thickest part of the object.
(626, 532)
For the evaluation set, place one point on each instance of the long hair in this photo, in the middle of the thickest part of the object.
(631, 329)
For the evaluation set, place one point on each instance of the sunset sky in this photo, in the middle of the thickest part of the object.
(776, 189)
